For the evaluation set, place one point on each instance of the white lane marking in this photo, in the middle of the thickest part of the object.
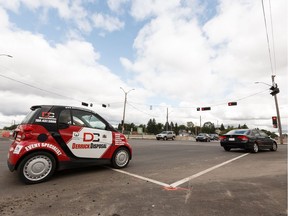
(143, 178)
(180, 182)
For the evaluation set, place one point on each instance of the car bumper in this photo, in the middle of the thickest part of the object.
(10, 166)
(237, 145)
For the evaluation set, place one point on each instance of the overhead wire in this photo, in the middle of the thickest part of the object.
(38, 88)
(272, 33)
(267, 37)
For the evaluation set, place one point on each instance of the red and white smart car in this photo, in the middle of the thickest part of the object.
(51, 138)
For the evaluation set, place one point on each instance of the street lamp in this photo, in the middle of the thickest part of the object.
(125, 101)
(274, 93)
(6, 55)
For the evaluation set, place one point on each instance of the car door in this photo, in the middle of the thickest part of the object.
(86, 135)
(266, 140)
(259, 138)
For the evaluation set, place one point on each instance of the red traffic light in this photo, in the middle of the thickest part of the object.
(232, 104)
(274, 121)
(205, 108)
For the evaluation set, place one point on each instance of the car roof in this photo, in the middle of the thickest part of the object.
(62, 106)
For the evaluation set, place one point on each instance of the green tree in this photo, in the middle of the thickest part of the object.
(208, 127)
(176, 129)
(222, 128)
(12, 127)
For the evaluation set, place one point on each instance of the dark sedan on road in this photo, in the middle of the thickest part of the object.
(203, 137)
(249, 139)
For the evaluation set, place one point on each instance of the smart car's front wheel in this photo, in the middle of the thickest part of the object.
(36, 167)
(121, 158)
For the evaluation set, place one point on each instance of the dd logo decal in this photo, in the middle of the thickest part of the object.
(91, 137)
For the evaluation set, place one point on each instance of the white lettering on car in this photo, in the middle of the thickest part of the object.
(42, 145)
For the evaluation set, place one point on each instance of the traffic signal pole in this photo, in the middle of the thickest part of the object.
(278, 113)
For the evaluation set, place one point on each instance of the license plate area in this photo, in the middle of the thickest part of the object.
(231, 139)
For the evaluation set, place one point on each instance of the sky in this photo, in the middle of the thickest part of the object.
(167, 57)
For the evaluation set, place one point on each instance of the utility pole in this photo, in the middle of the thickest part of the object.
(200, 124)
(274, 85)
(125, 101)
(167, 120)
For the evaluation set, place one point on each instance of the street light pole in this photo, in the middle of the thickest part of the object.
(124, 110)
(6, 55)
(277, 108)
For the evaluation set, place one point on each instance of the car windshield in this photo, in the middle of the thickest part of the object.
(237, 132)
(201, 134)
(164, 132)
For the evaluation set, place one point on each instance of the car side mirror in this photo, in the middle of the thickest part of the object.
(63, 125)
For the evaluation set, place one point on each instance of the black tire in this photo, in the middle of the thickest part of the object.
(274, 147)
(120, 158)
(173, 138)
(255, 148)
(227, 148)
(36, 167)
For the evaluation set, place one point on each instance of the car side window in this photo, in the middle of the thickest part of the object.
(256, 133)
(87, 119)
(65, 117)
(263, 134)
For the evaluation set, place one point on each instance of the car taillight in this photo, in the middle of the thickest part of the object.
(222, 138)
(27, 133)
(243, 138)
(123, 138)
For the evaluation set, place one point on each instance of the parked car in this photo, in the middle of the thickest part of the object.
(203, 137)
(57, 137)
(214, 136)
(249, 139)
(165, 135)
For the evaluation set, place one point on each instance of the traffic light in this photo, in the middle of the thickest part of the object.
(274, 121)
(198, 108)
(205, 108)
(232, 104)
(274, 90)
(85, 104)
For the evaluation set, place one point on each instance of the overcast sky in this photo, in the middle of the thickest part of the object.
(178, 55)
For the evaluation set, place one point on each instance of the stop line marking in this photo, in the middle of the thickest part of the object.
(184, 180)
(143, 178)
(180, 182)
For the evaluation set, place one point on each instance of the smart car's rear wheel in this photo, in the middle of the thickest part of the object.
(121, 158)
(255, 148)
(274, 147)
(36, 167)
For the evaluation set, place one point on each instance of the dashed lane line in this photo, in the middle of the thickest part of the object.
(182, 181)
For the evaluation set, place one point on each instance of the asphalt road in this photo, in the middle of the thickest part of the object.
(164, 178)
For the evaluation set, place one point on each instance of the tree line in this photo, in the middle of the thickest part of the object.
(153, 127)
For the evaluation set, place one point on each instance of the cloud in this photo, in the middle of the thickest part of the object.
(107, 22)
(142, 10)
(117, 5)
(70, 69)
(181, 60)
(194, 63)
